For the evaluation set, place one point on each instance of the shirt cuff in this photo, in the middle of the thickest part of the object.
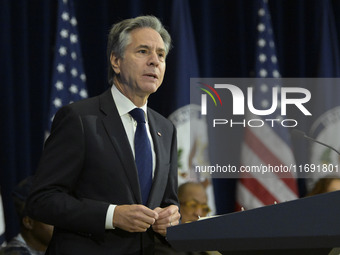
(109, 217)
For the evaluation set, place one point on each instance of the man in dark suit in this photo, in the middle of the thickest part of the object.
(88, 184)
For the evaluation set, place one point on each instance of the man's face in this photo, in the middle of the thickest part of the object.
(194, 204)
(142, 68)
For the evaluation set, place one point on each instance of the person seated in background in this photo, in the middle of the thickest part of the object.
(34, 235)
(193, 202)
(325, 184)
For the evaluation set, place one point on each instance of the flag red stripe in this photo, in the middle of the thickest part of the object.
(258, 190)
(268, 157)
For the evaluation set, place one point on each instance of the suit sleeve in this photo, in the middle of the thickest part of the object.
(52, 199)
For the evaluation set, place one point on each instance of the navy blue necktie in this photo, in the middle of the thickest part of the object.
(143, 155)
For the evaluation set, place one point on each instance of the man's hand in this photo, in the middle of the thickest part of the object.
(168, 216)
(134, 218)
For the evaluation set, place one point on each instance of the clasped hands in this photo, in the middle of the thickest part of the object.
(138, 218)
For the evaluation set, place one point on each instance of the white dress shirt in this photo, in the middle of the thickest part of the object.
(124, 106)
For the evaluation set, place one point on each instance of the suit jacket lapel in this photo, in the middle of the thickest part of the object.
(115, 129)
(157, 186)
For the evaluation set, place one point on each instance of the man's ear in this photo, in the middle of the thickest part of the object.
(27, 222)
(115, 63)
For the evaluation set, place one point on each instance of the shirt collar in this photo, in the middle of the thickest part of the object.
(123, 104)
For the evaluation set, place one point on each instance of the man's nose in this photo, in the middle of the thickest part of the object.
(153, 59)
(198, 212)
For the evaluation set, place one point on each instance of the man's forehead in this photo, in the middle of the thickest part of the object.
(196, 193)
(147, 36)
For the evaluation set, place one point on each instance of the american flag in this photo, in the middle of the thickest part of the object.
(68, 81)
(266, 145)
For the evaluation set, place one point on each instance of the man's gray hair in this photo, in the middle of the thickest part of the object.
(119, 37)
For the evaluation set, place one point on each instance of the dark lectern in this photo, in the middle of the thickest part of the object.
(309, 225)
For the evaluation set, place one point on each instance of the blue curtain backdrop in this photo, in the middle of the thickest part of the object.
(224, 33)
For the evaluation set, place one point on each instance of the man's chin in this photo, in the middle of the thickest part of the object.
(150, 88)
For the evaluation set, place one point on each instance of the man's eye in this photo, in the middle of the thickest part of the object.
(142, 51)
